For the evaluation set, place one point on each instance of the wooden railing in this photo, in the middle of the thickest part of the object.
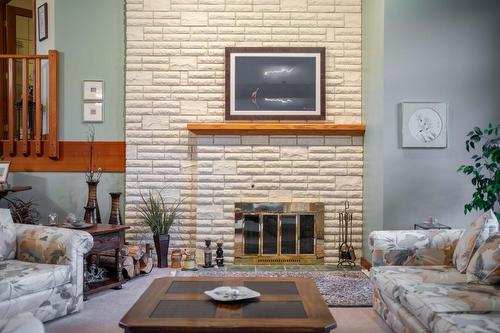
(31, 140)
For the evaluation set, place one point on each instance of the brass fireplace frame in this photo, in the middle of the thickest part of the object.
(278, 209)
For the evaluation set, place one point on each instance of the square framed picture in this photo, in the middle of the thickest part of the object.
(93, 112)
(424, 125)
(275, 83)
(4, 171)
(93, 90)
(42, 19)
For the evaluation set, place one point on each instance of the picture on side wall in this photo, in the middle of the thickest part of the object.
(275, 83)
(424, 125)
(43, 27)
(92, 112)
(4, 171)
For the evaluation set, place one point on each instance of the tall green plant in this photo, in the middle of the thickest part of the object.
(484, 169)
(157, 214)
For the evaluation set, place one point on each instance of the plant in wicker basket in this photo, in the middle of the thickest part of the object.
(159, 216)
(23, 211)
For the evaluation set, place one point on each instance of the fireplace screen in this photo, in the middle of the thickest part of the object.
(279, 232)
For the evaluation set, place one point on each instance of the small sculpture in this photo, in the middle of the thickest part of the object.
(176, 258)
(219, 258)
(208, 254)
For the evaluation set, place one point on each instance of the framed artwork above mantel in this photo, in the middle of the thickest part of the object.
(275, 83)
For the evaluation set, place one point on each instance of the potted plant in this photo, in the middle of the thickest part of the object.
(484, 169)
(159, 216)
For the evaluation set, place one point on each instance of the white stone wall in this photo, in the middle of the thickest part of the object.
(175, 75)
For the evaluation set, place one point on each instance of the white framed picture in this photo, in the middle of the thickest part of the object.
(424, 125)
(93, 112)
(4, 171)
(93, 90)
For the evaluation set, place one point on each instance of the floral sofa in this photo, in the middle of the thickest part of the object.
(417, 288)
(43, 271)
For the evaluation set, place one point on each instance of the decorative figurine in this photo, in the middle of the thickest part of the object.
(208, 254)
(189, 263)
(176, 258)
(219, 258)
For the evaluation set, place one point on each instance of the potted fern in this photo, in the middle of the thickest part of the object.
(159, 216)
(484, 168)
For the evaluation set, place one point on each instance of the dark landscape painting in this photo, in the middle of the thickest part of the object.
(265, 83)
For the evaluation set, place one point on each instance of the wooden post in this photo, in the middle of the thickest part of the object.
(25, 110)
(53, 104)
(38, 106)
(11, 112)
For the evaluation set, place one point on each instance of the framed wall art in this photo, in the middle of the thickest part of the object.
(93, 112)
(424, 125)
(275, 83)
(43, 27)
(4, 171)
(93, 90)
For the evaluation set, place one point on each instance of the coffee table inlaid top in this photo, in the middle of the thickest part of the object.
(178, 304)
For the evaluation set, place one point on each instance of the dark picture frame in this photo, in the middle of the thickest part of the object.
(41, 19)
(275, 83)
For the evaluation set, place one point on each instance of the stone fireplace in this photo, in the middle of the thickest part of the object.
(175, 76)
(279, 233)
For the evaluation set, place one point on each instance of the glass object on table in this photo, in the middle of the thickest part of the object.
(53, 219)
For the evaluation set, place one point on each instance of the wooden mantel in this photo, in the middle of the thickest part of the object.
(326, 129)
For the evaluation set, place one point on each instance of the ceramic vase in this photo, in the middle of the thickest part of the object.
(92, 200)
(161, 246)
(115, 216)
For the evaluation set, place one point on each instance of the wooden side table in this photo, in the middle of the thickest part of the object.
(107, 237)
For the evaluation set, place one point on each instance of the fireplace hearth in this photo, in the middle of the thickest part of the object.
(279, 233)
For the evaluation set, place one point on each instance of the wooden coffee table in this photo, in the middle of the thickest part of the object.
(178, 304)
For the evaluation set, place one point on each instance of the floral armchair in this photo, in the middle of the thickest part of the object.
(44, 275)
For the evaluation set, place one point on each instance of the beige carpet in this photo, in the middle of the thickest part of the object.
(103, 311)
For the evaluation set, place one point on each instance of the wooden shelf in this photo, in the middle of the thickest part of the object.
(276, 129)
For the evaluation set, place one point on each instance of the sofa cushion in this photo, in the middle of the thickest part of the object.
(7, 235)
(390, 279)
(475, 234)
(18, 278)
(466, 322)
(425, 300)
(484, 267)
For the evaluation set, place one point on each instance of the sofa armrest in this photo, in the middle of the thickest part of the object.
(413, 247)
(51, 245)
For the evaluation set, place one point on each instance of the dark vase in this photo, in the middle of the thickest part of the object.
(90, 215)
(161, 246)
(115, 217)
(92, 199)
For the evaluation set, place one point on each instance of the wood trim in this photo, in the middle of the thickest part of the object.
(25, 111)
(53, 103)
(24, 56)
(365, 263)
(227, 70)
(73, 157)
(38, 106)
(11, 112)
(276, 129)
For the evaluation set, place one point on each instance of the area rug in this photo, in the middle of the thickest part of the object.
(338, 288)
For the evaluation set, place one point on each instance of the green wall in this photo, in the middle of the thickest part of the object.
(89, 34)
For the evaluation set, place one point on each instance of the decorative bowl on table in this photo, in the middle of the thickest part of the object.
(232, 294)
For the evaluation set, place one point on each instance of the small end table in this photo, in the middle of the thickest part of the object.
(428, 226)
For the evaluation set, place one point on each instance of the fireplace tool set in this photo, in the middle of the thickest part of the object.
(347, 257)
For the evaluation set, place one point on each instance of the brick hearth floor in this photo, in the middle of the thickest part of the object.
(103, 311)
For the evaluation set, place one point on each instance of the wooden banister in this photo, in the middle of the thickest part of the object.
(53, 103)
(24, 56)
(25, 111)
(11, 112)
(38, 106)
(25, 132)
